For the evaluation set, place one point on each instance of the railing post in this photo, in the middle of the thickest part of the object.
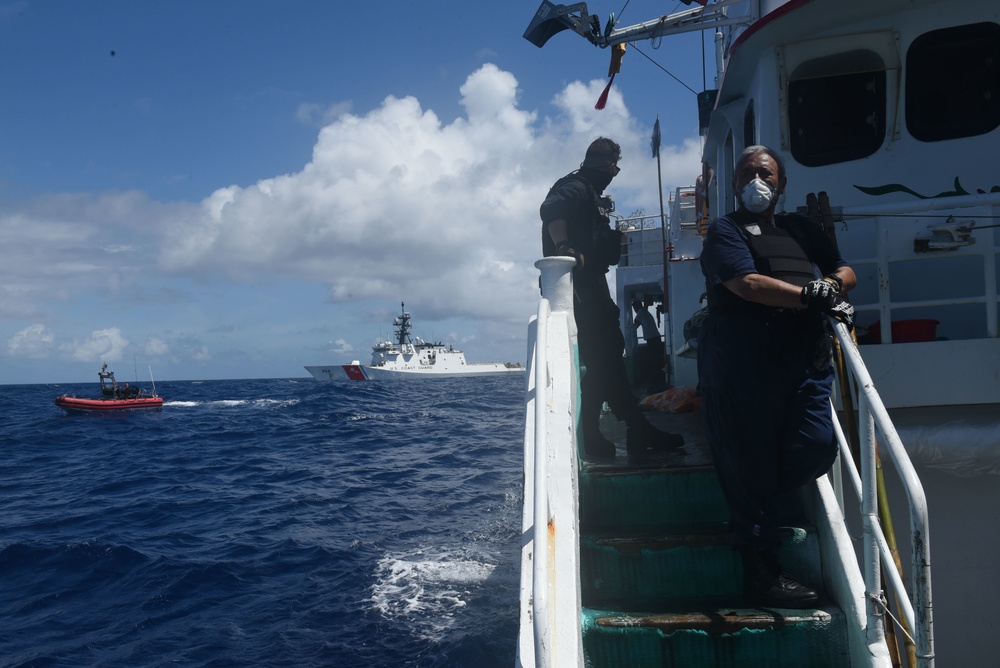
(556, 282)
(540, 535)
(555, 599)
(874, 596)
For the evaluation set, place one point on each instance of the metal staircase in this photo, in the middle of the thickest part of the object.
(632, 567)
(660, 586)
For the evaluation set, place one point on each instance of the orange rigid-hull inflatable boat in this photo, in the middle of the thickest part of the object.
(78, 404)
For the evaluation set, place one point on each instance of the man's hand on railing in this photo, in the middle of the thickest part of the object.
(841, 311)
(820, 294)
(823, 295)
(563, 248)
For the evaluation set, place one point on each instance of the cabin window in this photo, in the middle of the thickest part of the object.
(836, 108)
(953, 82)
(749, 126)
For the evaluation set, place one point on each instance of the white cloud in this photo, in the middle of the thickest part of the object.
(33, 342)
(70, 244)
(310, 113)
(340, 347)
(156, 347)
(393, 205)
(104, 345)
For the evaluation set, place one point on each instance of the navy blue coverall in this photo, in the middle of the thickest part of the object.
(765, 378)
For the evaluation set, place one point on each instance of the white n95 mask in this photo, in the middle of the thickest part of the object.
(756, 196)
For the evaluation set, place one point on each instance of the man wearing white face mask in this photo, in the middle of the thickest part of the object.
(764, 364)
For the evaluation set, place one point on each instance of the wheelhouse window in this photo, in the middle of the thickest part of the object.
(953, 82)
(836, 108)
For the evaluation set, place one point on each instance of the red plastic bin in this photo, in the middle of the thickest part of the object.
(906, 331)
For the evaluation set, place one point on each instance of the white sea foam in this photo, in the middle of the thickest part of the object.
(427, 588)
(235, 403)
(274, 403)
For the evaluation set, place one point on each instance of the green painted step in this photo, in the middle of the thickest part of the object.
(717, 638)
(616, 495)
(650, 494)
(691, 563)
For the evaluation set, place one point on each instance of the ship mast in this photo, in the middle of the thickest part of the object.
(402, 325)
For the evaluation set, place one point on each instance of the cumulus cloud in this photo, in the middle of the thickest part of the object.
(340, 347)
(107, 345)
(156, 347)
(33, 342)
(393, 204)
(396, 198)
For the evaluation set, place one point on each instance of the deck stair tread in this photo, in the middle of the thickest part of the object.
(639, 564)
(680, 534)
(656, 495)
(649, 467)
(749, 638)
(713, 621)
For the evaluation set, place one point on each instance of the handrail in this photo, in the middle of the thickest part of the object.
(874, 420)
(550, 623)
(540, 534)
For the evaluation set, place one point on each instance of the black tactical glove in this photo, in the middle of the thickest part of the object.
(820, 294)
(841, 311)
(563, 248)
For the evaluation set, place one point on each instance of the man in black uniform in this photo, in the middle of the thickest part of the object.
(764, 365)
(575, 223)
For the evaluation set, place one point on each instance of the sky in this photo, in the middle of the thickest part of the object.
(225, 190)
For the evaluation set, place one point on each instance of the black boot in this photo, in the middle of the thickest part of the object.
(643, 440)
(596, 446)
(764, 583)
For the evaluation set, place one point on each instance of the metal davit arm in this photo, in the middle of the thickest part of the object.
(551, 19)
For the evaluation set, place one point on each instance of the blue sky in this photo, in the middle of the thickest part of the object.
(238, 189)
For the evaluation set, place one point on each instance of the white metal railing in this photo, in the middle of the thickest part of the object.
(874, 421)
(895, 249)
(540, 538)
(550, 633)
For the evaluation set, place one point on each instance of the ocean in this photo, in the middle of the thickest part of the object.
(278, 522)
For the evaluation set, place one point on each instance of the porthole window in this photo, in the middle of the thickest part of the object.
(953, 82)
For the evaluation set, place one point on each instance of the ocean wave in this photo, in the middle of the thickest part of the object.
(233, 403)
(264, 523)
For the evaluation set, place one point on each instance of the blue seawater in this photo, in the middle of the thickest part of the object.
(284, 522)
